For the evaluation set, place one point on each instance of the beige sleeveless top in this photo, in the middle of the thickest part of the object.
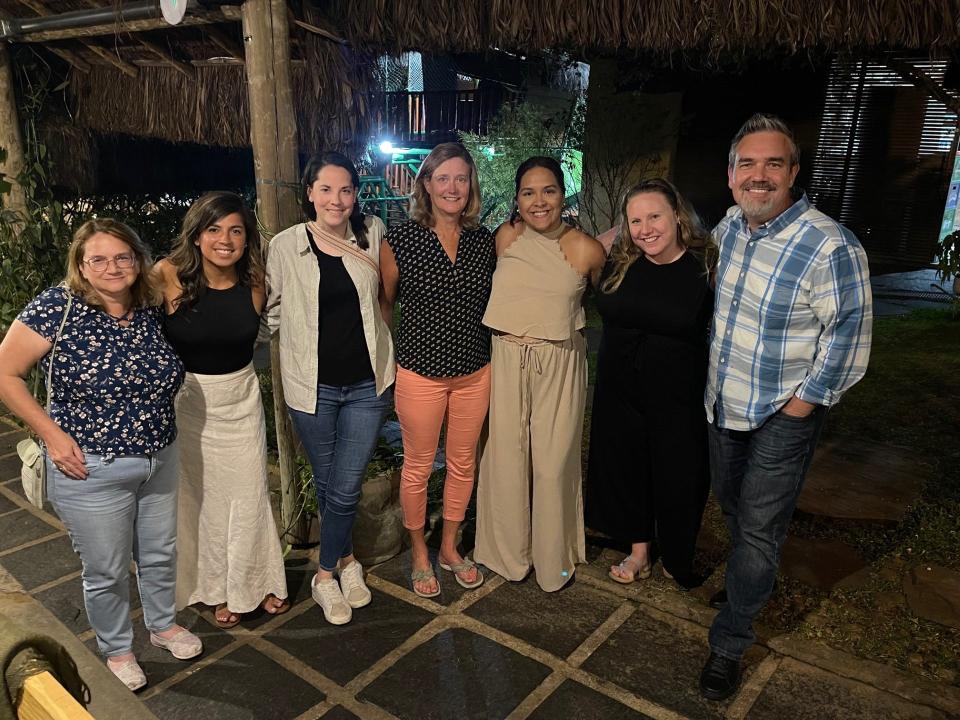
(536, 292)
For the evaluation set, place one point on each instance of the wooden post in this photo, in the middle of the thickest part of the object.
(11, 138)
(273, 133)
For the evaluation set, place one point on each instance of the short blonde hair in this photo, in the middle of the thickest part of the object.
(144, 291)
(421, 209)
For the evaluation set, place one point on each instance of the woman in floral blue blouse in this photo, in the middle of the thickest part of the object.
(110, 436)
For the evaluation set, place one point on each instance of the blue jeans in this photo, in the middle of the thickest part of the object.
(126, 507)
(339, 439)
(757, 476)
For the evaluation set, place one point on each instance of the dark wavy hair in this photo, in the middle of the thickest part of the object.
(317, 163)
(537, 161)
(691, 234)
(186, 257)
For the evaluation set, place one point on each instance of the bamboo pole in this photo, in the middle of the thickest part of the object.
(273, 133)
(11, 138)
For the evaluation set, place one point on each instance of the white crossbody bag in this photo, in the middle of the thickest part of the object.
(33, 473)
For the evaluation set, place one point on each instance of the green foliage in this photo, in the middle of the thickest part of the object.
(34, 239)
(909, 398)
(518, 131)
(948, 264)
(155, 217)
(33, 243)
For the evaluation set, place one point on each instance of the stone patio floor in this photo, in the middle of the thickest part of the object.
(505, 650)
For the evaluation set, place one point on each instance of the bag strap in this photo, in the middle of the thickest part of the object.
(53, 349)
(343, 245)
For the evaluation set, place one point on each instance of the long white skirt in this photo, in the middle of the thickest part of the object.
(228, 549)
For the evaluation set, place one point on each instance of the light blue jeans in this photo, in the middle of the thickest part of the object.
(126, 507)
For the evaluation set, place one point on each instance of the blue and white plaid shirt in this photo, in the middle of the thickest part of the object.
(793, 315)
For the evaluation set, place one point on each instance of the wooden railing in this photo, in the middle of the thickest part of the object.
(423, 116)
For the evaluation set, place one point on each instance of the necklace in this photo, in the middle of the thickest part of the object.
(126, 317)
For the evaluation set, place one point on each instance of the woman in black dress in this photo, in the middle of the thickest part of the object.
(648, 476)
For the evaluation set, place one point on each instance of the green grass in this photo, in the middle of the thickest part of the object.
(910, 398)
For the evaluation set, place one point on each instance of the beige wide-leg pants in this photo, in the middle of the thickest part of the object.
(529, 501)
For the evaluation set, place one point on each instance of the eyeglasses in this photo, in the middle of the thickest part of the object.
(99, 264)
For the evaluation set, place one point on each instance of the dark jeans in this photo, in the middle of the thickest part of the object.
(756, 476)
(339, 439)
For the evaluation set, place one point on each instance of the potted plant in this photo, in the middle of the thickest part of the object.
(378, 530)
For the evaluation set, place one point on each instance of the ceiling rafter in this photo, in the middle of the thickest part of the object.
(181, 67)
(220, 39)
(128, 26)
(43, 11)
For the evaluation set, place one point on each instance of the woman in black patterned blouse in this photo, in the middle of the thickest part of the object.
(439, 265)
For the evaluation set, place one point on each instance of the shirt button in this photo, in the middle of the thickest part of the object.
(743, 274)
(729, 332)
(722, 359)
(735, 303)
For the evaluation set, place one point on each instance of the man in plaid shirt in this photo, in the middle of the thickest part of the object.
(791, 333)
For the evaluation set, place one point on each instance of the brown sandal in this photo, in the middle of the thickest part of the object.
(225, 620)
(271, 609)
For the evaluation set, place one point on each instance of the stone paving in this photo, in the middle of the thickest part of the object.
(505, 650)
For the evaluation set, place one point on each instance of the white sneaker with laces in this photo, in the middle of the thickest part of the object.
(354, 589)
(327, 594)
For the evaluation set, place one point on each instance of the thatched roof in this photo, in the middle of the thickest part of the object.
(715, 27)
(187, 84)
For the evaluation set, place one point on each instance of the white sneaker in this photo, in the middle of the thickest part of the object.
(326, 593)
(183, 646)
(129, 673)
(354, 589)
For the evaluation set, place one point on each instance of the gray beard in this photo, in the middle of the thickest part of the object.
(758, 212)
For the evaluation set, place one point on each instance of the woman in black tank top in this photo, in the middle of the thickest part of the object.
(213, 290)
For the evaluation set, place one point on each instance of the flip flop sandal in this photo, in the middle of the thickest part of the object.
(629, 565)
(461, 567)
(271, 609)
(422, 576)
(233, 619)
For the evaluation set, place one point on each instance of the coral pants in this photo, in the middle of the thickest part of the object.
(421, 403)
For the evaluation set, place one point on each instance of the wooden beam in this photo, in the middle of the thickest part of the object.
(321, 32)
(273, 135)
(11, 137)
(122, 65)
(72, 58)
(45, 699)
(918, 78)
(130, 26)
(43, 11)
(181, 67)
(37, 7)
(220, 39)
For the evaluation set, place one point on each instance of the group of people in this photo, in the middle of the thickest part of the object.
(155, 438)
